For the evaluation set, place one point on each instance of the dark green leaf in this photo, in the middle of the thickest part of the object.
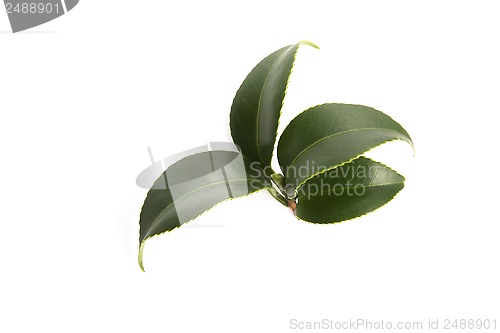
(192, 186)
(257, 105)
(329, 135)
(348, 191)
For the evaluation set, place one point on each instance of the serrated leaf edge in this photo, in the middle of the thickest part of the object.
(302, 42)
(259, 107)
(141, 245)
(358, 156)
(349, 161)
(357, 217)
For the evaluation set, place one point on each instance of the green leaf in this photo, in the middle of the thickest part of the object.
(349, 191)
(326, 136)
(257, 105)
(193, 185)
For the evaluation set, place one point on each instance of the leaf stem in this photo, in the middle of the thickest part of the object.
(278, 196)
(278, 191)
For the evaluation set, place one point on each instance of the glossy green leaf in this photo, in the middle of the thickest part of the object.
(329, 135)
(257, 105)
(349, 191)
(192, 186)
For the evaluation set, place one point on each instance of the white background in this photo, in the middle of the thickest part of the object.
(82, 97)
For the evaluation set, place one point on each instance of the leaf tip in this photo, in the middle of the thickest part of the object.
(141, 249)
(410, 142)
(306, 42)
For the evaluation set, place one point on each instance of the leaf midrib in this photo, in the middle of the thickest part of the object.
(369, 186)
(336, 134)
(164, 211)
(257, 138)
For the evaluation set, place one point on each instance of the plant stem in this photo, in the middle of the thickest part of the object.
(278, 196)
(279, 182)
